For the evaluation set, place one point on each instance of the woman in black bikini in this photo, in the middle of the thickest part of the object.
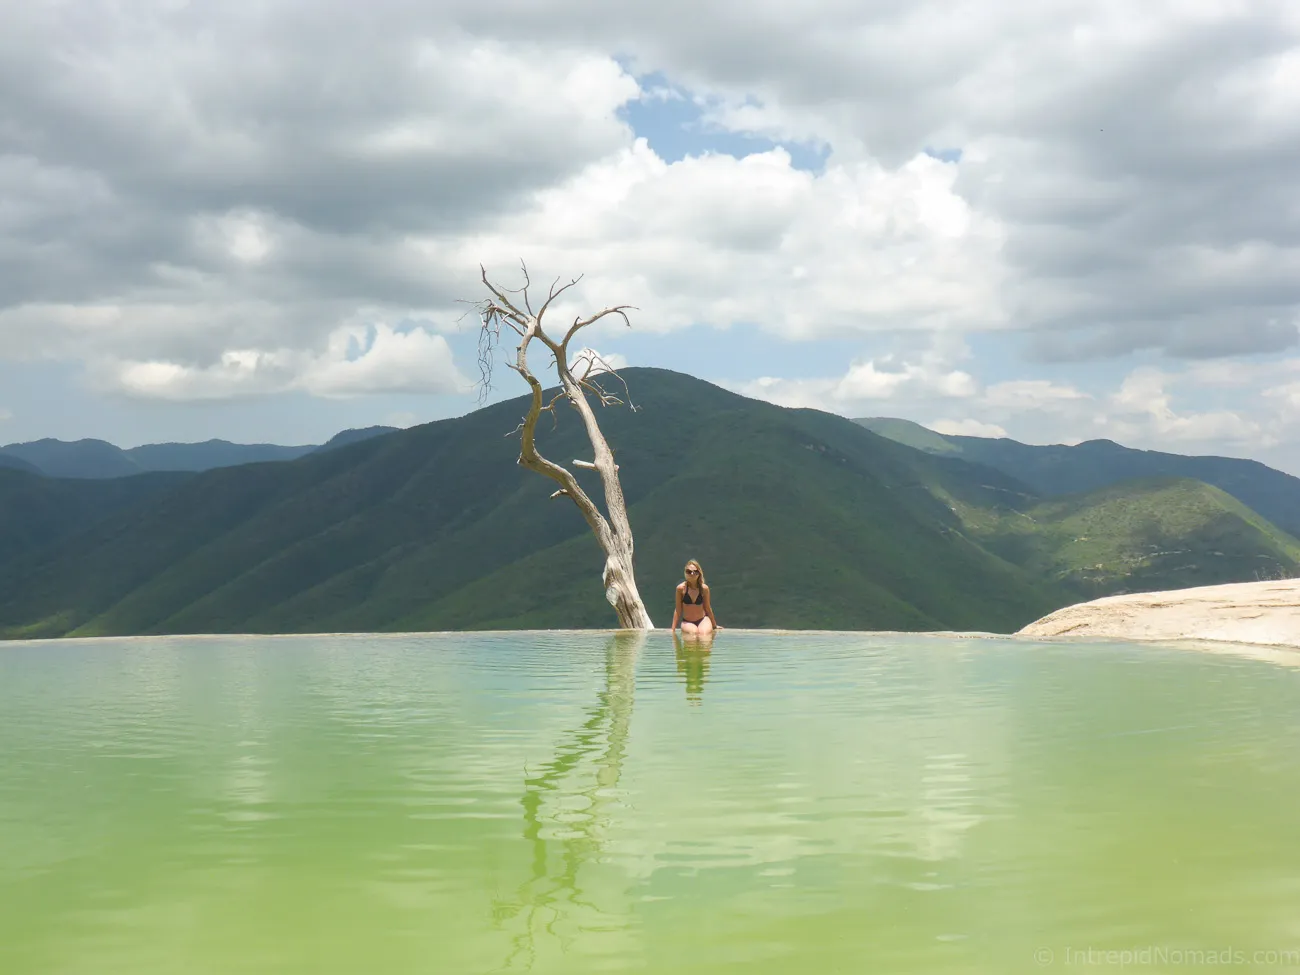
(694, 611)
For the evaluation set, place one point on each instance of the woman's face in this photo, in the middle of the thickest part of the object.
(692, 573)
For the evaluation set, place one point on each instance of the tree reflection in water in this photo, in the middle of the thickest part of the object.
(567, 805)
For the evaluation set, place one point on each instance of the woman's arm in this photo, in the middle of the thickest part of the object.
(677, 608)
(708, 608)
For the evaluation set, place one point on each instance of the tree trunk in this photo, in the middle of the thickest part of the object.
(621, 591)
(613, 533)
(616, 538)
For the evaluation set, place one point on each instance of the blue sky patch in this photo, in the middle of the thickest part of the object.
(673, 122)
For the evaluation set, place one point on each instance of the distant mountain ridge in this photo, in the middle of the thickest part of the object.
(355, 435)
(17, 464)
(803, 519)
(209, 454)
(1056, 470)
(98, 459)
(437, 527)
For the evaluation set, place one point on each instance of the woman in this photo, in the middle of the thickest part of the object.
(694, 611)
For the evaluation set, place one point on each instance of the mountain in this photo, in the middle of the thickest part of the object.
(209, 454)
(1150, 534)
(801, 519)
(354, 436)
(96, 459)
(909, 433)
(99, 459)
(1059, 470)
(37, 512)
(80, 458)
(17, 464)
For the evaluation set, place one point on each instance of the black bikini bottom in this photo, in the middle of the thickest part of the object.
(696, 622)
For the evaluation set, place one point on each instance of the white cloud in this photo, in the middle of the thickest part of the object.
(867, 380)
(182, 198)
(1244, 374)
(356, 361)
(1142, 405)
(412, 362)
(719, 240)
(1150, 408)
(191, 219)
(863, 389)
(900, 380)
(1288, 395)
(967, 427)
(1031, 394)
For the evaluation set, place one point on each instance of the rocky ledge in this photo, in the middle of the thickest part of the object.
(1262, 613)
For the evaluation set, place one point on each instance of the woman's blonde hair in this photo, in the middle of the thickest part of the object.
(693, 562)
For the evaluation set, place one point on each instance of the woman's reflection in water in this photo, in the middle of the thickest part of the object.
(693, 658)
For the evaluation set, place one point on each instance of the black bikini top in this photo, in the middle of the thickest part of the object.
(698, 600)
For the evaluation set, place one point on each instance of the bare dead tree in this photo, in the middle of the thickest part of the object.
(504, 308)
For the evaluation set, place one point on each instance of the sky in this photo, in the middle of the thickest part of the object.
(264, 221)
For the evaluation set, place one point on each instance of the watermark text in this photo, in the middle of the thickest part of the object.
(1165, 956)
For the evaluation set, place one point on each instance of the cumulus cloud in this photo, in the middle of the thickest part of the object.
(356, 361)
(718, 240)
(966, 427)
(1136, 159)
(198, 198)
(1142, 405)
(865, 387)
(194, 180)
(896, 380)
(1022, 395)
(1288, 396)
(1149, 408)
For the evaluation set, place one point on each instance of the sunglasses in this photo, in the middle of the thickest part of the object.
(692, 572)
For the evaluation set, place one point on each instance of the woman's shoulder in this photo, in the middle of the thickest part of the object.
(681, 587)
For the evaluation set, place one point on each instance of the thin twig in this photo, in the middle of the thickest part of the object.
(553, 294)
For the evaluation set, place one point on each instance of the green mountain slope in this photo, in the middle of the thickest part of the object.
(800, 518)
(1098, 463)
(355, 435)
(37, 512)
(909, 433)
(1151, 534)
(1056, 469)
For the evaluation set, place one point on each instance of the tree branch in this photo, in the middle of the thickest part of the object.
(612, 529)
(531, 458)
(553, 294)
(507, 306)
(580, 323)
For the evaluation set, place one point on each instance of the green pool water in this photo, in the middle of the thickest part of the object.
(583, 802)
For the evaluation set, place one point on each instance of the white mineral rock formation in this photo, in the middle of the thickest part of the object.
(1262, 613)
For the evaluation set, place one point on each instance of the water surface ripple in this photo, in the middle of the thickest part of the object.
(574, 802)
